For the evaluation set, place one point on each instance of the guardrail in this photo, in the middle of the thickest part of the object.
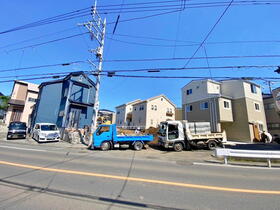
(261, 154)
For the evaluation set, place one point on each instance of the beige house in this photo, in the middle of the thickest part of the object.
(272, 115)
(21, 104)
(146, 113)
(124, 114)
(235, 106)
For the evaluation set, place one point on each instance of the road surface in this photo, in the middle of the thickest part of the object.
(45, 177)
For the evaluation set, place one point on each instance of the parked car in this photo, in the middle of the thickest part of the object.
(16, 130)
(45, 132)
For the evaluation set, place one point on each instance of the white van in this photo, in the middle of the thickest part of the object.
(45, 132)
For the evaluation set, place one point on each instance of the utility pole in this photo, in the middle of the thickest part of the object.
(96, 27)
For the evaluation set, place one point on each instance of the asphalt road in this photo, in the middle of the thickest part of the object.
(48, 177)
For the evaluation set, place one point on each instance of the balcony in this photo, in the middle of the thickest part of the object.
(16, 102)
(169, 114)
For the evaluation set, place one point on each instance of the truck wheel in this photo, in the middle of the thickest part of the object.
(178, 147)
(138, 145)
(105, 146)
(212, 144)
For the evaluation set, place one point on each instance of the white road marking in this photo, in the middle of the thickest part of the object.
(21, 148)
(236, 166)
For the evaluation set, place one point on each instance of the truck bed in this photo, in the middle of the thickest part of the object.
(146, 138)
(208, 136)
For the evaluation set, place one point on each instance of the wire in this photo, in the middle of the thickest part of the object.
(197, 58)
(41, 66)
(191, 68)
(153, 77)
(144, 17)
(57, 18)
(155, 59)
(193, 77)
(38, 37)
(209, 33)
(47, 42)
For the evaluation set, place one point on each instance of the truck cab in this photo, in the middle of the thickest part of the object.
(171, 135)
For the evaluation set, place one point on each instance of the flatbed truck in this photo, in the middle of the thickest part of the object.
(105, 137)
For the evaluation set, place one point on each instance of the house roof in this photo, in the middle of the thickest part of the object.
(156, 97)
(67, 77)
(130, 103)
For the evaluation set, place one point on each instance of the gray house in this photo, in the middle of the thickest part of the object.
(67, 102)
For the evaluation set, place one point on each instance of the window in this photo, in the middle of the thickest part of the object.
(102, 130)
(253, 88)
(161, 99)
(257, 106)
(189, 91)
(189, 108)
(173, 132)
(261, 127)
(141, 107)
(155, 107)
(269, 106)
(273, 126)
(152, 107)
(118, 112)
(226, 105)
(204, 105)
(32, 99)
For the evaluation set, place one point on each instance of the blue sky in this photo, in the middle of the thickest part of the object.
(240, 23)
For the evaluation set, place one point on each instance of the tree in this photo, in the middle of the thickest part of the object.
(4, 102)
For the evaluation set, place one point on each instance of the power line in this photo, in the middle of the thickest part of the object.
(38, 37)
(209, 33)
(149, 77)
(190, 68)
(47, 42)
(57, 18)
(41, 66)
(193, 77)
(194, 58)
(156, 59)
(147, 16)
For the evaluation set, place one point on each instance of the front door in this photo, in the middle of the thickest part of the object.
(256, 132)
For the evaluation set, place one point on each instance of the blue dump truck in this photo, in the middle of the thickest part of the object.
(105, 137)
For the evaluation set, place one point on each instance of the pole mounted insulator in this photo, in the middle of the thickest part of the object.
(277, 70)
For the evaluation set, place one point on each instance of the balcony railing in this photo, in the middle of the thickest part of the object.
(169, 114)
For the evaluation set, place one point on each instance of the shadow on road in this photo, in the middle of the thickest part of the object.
(62, 193)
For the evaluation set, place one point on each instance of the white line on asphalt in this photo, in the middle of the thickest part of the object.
(235, 166)
(20, 148)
